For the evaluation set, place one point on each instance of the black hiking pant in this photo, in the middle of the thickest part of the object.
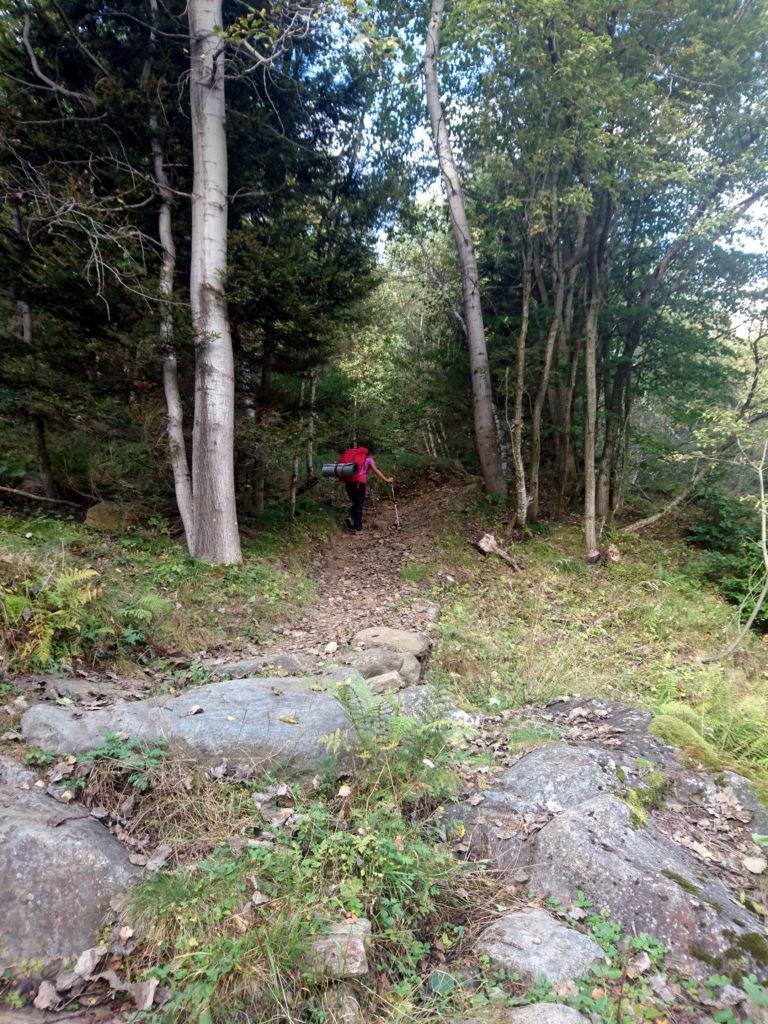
(356, 494)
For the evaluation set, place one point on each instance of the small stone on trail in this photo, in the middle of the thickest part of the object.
(386, 682)
(531, 943)
(332, 647)
(402, 640)
(342, 951)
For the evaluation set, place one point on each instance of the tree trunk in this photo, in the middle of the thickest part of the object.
(43, 458)
(177, 448)
(482, 398)
(590, 370)
(541, 394)
(267, 369)
(516, 431)
(27, 337)
(257, 488)
(311, 426)
(294, 487)
(216, 537)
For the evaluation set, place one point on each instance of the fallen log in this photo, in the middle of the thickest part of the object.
(487, 544)
(40, 497)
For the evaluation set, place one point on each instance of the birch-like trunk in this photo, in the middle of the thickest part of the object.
(216, 537)
(541, 394)
(177, 448)
(521, 492)
(590, 421)
(482, 398)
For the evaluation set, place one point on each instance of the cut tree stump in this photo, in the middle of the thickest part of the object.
(486, 543)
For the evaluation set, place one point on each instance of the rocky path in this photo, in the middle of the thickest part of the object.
(361, 578)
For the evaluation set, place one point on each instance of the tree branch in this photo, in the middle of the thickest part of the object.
(62, 90)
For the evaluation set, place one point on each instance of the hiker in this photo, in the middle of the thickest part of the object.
(356, 486)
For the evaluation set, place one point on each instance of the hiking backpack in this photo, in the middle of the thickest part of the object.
(358, 457)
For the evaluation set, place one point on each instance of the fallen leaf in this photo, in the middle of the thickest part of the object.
(159, 857)
(196, 709)
(46, 997)
(755, 865)
(143, 993)
(66, 981)
(639, 965)
(89, 960)
(288, 719)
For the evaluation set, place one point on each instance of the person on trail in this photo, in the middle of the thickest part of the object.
(356, 489)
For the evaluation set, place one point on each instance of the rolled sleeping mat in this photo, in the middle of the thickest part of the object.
(341, 470)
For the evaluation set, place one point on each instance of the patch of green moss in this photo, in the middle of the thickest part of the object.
(683, 882)
(679, 733)
(751, 944)
(638, 815)
(621, 775)
(706, 958)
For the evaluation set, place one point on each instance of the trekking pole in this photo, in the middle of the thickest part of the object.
(397, 514)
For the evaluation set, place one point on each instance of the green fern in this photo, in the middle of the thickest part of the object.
(43, 624)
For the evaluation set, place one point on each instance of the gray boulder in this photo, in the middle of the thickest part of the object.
(625, 728)
(540, 784)
(277, 720)
(534, 1013)
(292, 664)
(532, 943)
(59, 871)
(13, 775)
(273, 719)
(647, 883)
(545, 1013)
(377, 660)
(402, 640)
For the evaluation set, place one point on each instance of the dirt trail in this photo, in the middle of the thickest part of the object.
(360, 578)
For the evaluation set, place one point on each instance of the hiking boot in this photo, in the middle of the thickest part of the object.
(350, 522)
(358, 533)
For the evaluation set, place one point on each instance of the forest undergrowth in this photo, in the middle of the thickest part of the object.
(225, 927)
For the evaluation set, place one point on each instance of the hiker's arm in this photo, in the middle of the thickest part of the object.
(380, 475)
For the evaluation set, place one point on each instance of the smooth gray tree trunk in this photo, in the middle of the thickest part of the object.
(177, 448)
(482, 399)
(216, 537)
(590, 422)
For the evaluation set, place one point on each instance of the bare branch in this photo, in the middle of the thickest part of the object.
(62, 90)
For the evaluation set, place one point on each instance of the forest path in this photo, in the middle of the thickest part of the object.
(360, 579)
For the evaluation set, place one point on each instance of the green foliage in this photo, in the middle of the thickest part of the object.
(44, 623)
(726, 528)
(357, 853)
(135, 759)
(147, 595)
(411, 754)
